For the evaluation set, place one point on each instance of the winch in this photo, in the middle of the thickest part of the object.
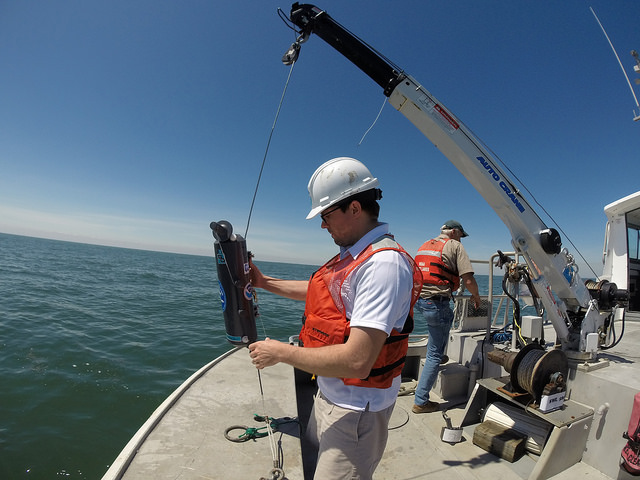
(540, 373)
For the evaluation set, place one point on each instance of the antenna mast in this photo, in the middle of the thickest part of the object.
(636, 68)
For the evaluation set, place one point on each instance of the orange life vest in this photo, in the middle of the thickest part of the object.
(325, 321)
(434, 270)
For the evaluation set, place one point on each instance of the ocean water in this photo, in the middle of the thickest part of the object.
(93, 339)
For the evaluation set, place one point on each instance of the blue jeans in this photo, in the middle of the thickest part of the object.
(439, 318)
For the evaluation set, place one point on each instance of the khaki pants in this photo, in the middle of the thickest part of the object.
(350, 443)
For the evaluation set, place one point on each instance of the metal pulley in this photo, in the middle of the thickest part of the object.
(275, 474)
(607, 293)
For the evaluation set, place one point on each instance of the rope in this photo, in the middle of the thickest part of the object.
(251, 433)
(272, 442)
(374, 122)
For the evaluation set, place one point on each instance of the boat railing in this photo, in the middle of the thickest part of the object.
(495, 310)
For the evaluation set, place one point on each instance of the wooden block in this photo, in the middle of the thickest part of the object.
(502, 441)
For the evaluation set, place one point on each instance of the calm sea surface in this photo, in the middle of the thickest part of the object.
(92, 340)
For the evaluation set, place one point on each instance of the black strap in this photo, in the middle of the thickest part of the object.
(442, 277)
(443, 267)
(395, 338)
(408, 323)
(387, 368)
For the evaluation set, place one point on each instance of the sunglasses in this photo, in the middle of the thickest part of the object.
(325, 215)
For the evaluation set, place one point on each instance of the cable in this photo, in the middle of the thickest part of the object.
(474, 139)
(616, 340)
(516, 311)
(264, 159)
(374, 122)
(276, 454)
(286, 20)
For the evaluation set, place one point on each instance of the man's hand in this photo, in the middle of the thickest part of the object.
(352, 359)
(294, 289)
(477, 301)
(255, 276)
(265, 353)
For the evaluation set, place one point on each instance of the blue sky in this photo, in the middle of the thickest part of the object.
(137, 123)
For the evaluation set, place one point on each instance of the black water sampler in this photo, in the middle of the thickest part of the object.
(236, 292)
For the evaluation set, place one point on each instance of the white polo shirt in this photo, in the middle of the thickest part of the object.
(377, 295)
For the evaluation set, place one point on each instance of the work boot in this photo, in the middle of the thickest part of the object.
(428, 407)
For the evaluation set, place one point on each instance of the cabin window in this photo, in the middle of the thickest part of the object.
(633, 237)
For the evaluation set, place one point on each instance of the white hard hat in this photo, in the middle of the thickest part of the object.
(336, 180)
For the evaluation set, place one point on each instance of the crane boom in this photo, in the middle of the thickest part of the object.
(568, 303)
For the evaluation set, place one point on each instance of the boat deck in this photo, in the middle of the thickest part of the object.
(185, 437)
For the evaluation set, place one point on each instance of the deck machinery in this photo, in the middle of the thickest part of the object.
(581, 312)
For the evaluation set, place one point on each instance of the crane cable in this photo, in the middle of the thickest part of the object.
(275, 120)
(277, 463)
(289, 59)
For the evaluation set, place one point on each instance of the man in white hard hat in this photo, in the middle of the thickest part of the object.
(357, 317)
(443, 261)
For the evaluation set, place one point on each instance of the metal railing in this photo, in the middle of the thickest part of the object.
(496, 308)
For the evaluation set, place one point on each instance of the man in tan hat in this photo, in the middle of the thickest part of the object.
(443, 261)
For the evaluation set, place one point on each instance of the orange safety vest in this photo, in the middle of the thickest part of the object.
(434, 270)
(325, 321)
